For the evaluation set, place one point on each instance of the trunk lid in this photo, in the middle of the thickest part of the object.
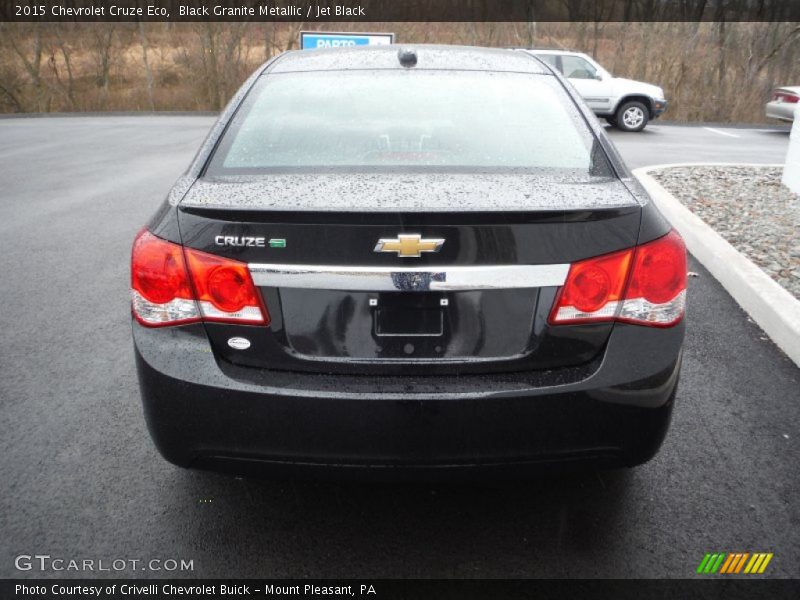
(464, 308)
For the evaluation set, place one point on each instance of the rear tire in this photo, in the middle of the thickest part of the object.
(632, 116)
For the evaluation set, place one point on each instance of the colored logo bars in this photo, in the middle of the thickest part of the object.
(734, 563)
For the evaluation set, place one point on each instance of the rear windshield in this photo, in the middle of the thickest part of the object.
(415, 119)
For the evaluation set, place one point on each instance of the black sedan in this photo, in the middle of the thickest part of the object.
(407, 261)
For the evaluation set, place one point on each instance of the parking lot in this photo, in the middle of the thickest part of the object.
(81, 478)
(670, 143)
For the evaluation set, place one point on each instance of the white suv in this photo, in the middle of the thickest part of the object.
(624, 103)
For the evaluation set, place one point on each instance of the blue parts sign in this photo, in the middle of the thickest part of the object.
(310, 40)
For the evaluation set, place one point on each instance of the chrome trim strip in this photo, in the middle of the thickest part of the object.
(409, 279)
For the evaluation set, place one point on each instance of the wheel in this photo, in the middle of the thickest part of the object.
(611, 121)
(632, 116)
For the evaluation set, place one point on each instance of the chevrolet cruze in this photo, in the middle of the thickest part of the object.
(407, 260)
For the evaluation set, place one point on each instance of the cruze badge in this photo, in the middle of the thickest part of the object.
(245, 240)
(240, 240)
(410, 245)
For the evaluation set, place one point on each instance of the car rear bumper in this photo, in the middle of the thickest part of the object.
(206, 414)
(784, 111)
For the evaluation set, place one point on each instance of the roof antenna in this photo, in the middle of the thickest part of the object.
(407, 57)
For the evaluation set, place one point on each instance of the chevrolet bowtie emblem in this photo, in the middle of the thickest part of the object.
(409, 245)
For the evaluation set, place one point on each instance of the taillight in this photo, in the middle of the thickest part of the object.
(785, 97)
(171, 285)
(160, 288)
(225, 290)
(593, 289)
(645, 285)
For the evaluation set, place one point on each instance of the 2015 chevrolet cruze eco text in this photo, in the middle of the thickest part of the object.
(407, 261)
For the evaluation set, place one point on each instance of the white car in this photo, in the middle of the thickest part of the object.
(624, 103)
(784, 103)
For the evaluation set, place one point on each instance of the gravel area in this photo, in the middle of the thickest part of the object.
(750, 208)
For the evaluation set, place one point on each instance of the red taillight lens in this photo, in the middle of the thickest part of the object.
(593, 289)
(158, 272)
(656, 293)
(659, 270)
(171, 285)
(225, 290)
(160, 290)
(590, 288)
(228, 289)
(785, 97)
(602, 289)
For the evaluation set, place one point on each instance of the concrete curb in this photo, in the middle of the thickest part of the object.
(775, 310)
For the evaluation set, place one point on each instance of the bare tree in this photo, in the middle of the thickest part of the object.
(26, 42)
(710, 70)
(101, 46)
(146, 62)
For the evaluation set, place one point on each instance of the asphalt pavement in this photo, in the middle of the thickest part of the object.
(662, 143)
(81, 478)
